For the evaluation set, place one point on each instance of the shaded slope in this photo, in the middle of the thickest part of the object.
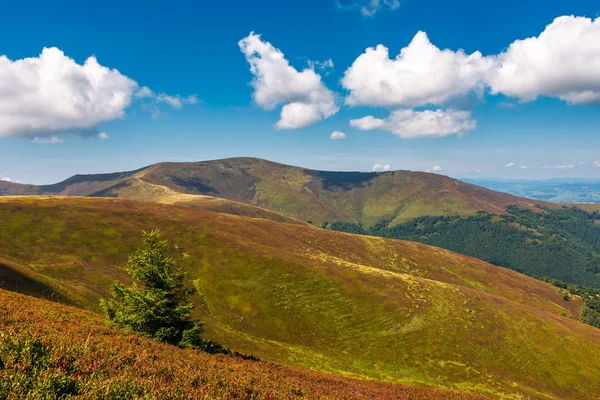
(77, 355)
(20, 279)
(386, 309)
(77, 185)
(14, 189)
(134, 188)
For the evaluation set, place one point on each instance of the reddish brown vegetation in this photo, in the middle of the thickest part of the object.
(100, 362)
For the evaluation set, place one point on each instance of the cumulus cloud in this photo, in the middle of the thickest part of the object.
(6, 179)
(510, 165)
(103, 136)
(524, 167)
(411, 124)
(421, 74)
(337, 135)
(435, 168)
(307, 100)
(381, 167)
(45, 96)
(50, 94)
(562, 166)
(368, 123)
(368, 8)
(597, 163)
(563, 62)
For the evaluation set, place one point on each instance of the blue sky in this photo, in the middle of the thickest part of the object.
(181, 49)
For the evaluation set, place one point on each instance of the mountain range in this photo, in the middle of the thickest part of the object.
(318, 196)
(378, 203)
(272, 283)
(347, 304)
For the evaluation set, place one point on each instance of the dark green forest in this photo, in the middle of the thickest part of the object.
(562, 245)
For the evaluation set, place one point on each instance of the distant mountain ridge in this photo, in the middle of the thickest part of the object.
(309, 195)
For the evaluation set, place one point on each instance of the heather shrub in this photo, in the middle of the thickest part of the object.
(34, 370)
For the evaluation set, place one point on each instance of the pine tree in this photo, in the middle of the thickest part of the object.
(157, 304)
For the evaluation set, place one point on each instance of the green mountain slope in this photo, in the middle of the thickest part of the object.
(305, 194)
(71, 354)
(373, 200)
(355, 305)
(561, 243)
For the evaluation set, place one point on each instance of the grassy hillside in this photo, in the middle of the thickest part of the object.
(308, 195)
(49, 351)
(354, 305)
(561, 243)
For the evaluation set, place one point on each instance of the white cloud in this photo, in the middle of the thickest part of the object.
(322, 65)
(374, 6)
(47, 139)
(6, 180)
(368, 123)
(52, 94)
(275, 82)
(367, 8)
(524, 167)
(436, 168)
(381, 167)
(563, 166)
(144, 92)
(421, 74)
(298, 115)
(410, 124)
(563, 62)
(510, 165)
(49, 95)
(103, 136)
(337, 135)
(597, 163)
(176, 101)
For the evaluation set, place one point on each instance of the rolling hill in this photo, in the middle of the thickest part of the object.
(70, 353)
(309, 195)
(558, 243)
(353, 305)
(385, 204)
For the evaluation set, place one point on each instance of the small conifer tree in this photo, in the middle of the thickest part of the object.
(157, 304)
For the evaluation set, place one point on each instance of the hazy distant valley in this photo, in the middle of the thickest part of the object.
(555, 190)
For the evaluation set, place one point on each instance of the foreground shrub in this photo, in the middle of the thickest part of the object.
(157, 304)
